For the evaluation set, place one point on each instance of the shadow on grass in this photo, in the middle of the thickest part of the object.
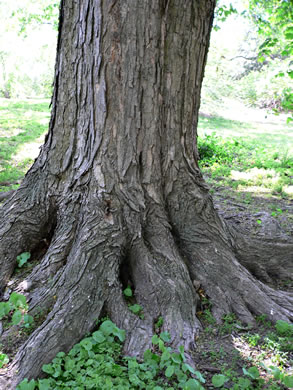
(217, 122)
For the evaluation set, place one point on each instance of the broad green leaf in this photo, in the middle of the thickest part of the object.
(219, 380)
(28, 320)
(165, 336)
(181, 351)
(193, 384)
(18, 300)
(25, 385)
(16, 318)
(200, 377)
(120, 333)
(69, 364)
(155, 339)
(136, 309)
(288, 381)
(252, 372)
(87, 344)
(169, 371)
(107, 327)
(5, 308)
(128, 292)
(48, 369)
(44, 384)
(275, 371)
(23, 258)
(187, 367)
(244, 383)
(98, 337)
(176, 358)
(165, 355)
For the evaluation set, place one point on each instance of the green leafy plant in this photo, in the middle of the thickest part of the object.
(23, 258)
(17, 307)
(219, 380)
(96, 363)
(252, 372)
(159, 323)
(3, 359)
(136, 309)
(284, 328)
(128, 292)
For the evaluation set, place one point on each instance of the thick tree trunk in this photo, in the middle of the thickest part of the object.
(118, 186)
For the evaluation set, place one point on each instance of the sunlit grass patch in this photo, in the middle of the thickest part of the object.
(247, 166)
(22, 128)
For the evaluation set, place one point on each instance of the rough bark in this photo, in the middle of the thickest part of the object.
(118, 185)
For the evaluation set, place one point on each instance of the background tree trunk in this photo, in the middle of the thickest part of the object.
(118, 190)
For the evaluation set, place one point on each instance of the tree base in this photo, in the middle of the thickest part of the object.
(93, 255)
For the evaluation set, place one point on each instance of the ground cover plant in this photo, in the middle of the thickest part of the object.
(97, 362)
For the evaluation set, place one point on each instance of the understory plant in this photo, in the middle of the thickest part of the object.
(97, 363)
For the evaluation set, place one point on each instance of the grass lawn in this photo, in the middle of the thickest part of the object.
(247, 150)
(23, 125)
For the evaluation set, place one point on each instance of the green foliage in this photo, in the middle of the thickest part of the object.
(286, 380)
(128, 292)
(219, 380)
(136, 309)
(23, 258)
(48, 11)
(3, 359)
(246, 164)
(17, 308)
(96, 363)
(159, 323)
(27, 60)
(252, 372)
(274, 23)
(284, 328)
(222, 12)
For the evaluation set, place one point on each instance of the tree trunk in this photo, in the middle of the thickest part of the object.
(118, 188)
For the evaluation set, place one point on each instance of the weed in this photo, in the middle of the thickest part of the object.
(253, 339)
(16, 309)
(208, 317)
(23, 258)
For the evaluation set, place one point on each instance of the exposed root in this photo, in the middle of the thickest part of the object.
(208, 246)
(82, 287)
(6, 195)
(138, 331)
(268, 259)
(23, 224)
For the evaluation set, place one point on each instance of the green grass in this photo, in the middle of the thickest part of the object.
(249, 161)
(22, 128)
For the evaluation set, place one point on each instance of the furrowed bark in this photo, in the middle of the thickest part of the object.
(118, 188)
